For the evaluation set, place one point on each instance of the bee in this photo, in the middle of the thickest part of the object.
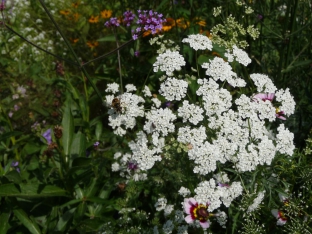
(116, 105)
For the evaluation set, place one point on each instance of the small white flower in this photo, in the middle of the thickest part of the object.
(173, 89)
(161, 204)
(198, 42)
(113, 88)
(264, 83)
(169, 62)
(241, 56)
(146, 91)
(256, 202)
(184, 191)
(191, 113)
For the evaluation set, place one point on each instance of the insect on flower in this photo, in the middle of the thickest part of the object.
(116, 105)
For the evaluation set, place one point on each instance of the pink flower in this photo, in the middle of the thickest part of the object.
(264, 96)
(281, 218)
(269, 97)
(196, 211)
(279, 114)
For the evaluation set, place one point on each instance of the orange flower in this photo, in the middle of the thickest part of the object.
(65, 12)
(168, 24)
(76, 16)
(148, 32)
(200, 22)
(75, 5)
(105, 14)
(93, 19)
(92, 44)
(75, 40)
(207, 33)
(182, 23)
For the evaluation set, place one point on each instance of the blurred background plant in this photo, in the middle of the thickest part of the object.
(57, 148)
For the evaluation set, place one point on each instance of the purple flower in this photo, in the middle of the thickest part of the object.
(137, 53)
(128, 18)
(47, 136)
(96, 144)
(15, 165)
(223, 185)
(132, 165)
(149, 20)
(113, 22)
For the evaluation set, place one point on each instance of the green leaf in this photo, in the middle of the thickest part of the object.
(75, 201)
(98, 200)
(39, 110)
(78, 147)
(31, 190)
(52, 219)
(81, 162)
(92, 188)
(14, 176)
(98, 130)
(203, 59)
(4, 220)
(7, 135)
(68, 128)
(33, 163)
(83, 108)
(80, 211)
(65, 220)
(31, 148)
(108, 38)
(31, 226)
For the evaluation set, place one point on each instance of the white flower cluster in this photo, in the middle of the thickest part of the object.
(173, 89)
(198, 42)
(256, 202)
(263, 82)
(219, 69)
(21, 15)
(191, 113)
(241, 56)
(161, 204)
(169, 62)
(130, 109)
(215, 194)
(222, 126)
(128, 167)
(286, 99)
(215, 100)
(184, 191)
(221, 217)
(285, 140)
(142, 154)
(160, 120)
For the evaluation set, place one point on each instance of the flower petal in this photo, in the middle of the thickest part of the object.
(271, 96)
(204, 224)
(275, 213)
(188, 203)
(281, 222)
(189, 219)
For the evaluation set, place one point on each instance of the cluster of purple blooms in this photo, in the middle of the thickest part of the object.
(147, 21)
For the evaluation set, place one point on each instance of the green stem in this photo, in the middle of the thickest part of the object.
(109, 53)
(119, 62)
(71, 50)
(38, 47)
